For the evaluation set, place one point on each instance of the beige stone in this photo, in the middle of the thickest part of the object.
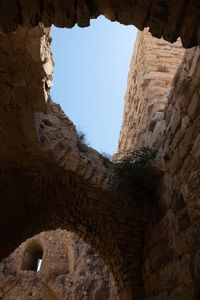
(48, 180)
(146, 98)
(70, 269)
(162, 19)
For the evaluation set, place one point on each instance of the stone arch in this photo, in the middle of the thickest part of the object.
(164, 18)
(68, 244)
(32, 256)
(87, 276)
(50, 185)
(39, 188)
(27, 289)
(51, 293)
(47, 180)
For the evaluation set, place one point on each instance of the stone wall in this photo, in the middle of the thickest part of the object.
(57, 138)
(171, 251)
(48, 180)
(169, 19)
(152, 68)
(70, 269)
(171, 268)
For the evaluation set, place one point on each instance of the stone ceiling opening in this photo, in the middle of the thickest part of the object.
(47, 181)
(90, 76)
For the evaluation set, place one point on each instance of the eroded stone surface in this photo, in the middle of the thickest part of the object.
(169, 19)
(70, 269)
(58, 135)
(48, 179)
(180, 194)
(152, 69)
(47, 182)
(171, 255)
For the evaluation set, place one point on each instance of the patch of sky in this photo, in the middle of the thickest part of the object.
(90, 78)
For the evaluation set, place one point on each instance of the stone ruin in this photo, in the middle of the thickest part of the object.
(50, 184)
(68, 269)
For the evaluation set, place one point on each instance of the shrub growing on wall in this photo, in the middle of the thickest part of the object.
(134, 173)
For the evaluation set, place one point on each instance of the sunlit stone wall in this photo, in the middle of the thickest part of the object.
(152, 68)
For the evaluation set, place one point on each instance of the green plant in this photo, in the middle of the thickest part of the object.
(134, 162)
(133, 173)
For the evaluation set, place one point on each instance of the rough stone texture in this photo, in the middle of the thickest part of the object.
(171, 248)
(169, 19)
(153, 65)
(58, 135)
(47, 179)
(70, 270)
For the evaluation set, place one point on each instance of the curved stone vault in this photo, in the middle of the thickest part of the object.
(47, 179)
(69, 269)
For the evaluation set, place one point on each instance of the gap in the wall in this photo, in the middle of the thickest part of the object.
(90, 78)
(39, 264)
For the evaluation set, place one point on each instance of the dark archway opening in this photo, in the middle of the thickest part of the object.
(32, 258)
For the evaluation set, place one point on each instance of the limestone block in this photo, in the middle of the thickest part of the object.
(149, 81)
(187, 141)
(175, 121)
(193, 108)
(175, 162)
(177, 138)
(196, 148)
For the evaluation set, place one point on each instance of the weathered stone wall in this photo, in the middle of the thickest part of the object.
(171, 268)
(33, 142)
(70, 269)
(169, 19)
(153, 65)
(171, 252)
(47, 179)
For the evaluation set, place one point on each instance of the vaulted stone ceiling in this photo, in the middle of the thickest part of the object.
(45, 181)
(167, 18)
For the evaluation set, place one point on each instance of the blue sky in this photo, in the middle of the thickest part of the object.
(90, 77)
